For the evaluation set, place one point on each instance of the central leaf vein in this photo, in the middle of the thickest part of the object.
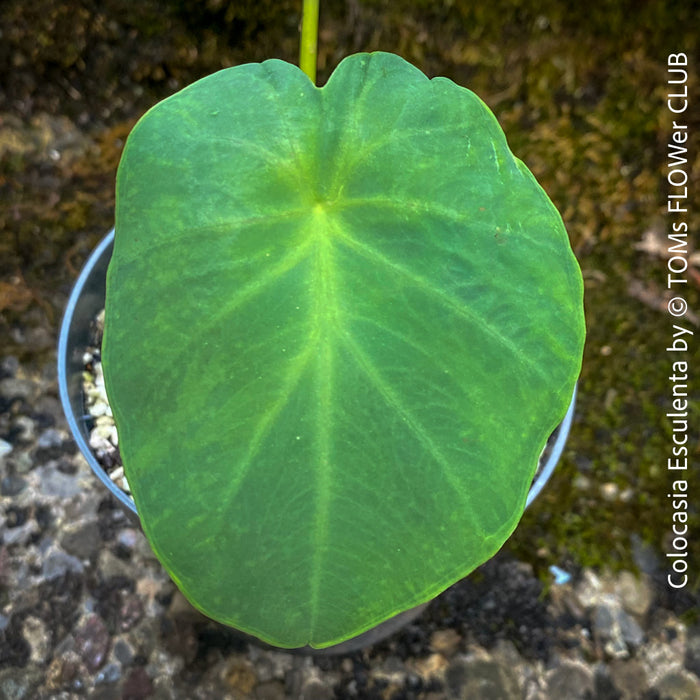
(326, 319)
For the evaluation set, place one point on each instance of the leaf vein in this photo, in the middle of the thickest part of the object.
(369, 253)
(393, 401)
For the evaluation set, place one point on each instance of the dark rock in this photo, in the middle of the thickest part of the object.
(15, 517)
(58, 563)
(83, 541)
(43, 517)
(47, 411)
(471, 677)
(56, 602)
(8, 366)
(644, 556)
(14, 648)
(572, 681)
(617, 631)
(50, 438)
(92, 642)
(502, 600)
(65, 465)
(631, 632)
(130, 613)
(111, 673)
(57, 484)
(180, 638)
(138, 685)
(604, 687)
(111, 518)
(628, 677)
(123, 652)
(12, 485)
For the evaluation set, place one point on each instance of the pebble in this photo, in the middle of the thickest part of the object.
(128, 538)
(24, 429)
(53, 482)
(571, 681)
(12, 485)
(138, 685)
(51, 438)
(9, 366)
(5, 448)
(239, 675)
(14, 388)
(63, 670)
(130, 612)
(21, 461)
(58, 563)
(122, 651)
(629, 678)
(112, 566)
(445, 642)
(678, 685)
(92, 642)
(589, 590)
(111, 673)
(271, 665)
(478, 676)
(635, 593)
(39, 639)
(82, 540)
(615, 629)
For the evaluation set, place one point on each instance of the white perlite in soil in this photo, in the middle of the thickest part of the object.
(104, 440)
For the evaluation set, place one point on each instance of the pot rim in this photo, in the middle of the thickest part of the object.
(77, 418)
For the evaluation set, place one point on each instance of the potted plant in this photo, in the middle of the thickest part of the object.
(341, 324)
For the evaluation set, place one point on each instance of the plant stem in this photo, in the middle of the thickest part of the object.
(309, 38)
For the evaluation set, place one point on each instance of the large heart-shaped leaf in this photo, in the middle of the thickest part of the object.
(341, 323)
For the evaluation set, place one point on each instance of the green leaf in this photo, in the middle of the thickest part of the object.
(341, 323)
